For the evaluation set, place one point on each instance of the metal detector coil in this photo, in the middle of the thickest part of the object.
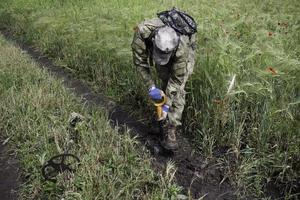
(59, 164)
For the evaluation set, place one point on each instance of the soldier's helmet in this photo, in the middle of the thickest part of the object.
(165, 42)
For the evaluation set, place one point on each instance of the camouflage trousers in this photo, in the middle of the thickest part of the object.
(177, 107)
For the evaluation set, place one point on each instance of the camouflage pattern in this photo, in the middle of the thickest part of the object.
(174, 75)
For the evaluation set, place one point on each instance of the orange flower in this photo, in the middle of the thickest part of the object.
(272, 70)
(270, 34)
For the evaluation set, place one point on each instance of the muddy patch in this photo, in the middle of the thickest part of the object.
(9, 173)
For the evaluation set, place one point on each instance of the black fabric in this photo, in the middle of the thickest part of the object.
(149, 46)
(179, 21)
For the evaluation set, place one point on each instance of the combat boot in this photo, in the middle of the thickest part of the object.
(169, 141)
(155, 128)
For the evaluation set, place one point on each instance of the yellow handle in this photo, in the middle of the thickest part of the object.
(159, 112)
(160, 104)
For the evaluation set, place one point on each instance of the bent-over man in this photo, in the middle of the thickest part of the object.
(169, 42)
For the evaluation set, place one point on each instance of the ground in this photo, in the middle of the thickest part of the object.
(9, 172)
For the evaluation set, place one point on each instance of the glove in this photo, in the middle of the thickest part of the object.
(164, 114)
(155, 93)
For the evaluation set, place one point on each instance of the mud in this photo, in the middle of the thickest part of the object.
(9, 173)
(194, 174)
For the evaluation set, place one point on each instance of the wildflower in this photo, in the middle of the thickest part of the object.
(270, 34)
(272, 70)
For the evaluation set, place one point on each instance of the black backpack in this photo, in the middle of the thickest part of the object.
(179, 21)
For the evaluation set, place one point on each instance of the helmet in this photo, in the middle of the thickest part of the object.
(165, 42)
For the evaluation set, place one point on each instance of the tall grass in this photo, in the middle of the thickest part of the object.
(34, 111)
(257, 122)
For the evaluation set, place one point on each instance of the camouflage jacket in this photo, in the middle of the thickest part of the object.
(179, 61)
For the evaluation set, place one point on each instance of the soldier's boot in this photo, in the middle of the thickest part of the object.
(155, 128)
(169, 141)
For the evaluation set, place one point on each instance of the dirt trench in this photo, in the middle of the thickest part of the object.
(9, 173)
(197, 177)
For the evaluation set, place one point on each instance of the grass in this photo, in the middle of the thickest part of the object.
(257, 122)
(35, 108)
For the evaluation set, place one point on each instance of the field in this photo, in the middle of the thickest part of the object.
(256, 124)
(35, 109)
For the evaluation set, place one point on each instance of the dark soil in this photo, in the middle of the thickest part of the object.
(9, 173)
(193, 173)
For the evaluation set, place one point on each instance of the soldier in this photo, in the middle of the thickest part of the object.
(169, 42)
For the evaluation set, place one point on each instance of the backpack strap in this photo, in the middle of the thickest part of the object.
(149, 46)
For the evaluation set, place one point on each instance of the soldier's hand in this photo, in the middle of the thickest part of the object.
(155, 94)
(165, 110)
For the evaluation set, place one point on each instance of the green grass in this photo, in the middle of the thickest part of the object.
(258, 121)
(35, 109)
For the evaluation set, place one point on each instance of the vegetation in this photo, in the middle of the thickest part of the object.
(257, 121)
(34, 116)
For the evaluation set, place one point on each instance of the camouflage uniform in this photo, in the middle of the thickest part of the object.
(174, 75)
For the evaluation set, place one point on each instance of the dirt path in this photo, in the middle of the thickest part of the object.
(202, 179)
(9, 173)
